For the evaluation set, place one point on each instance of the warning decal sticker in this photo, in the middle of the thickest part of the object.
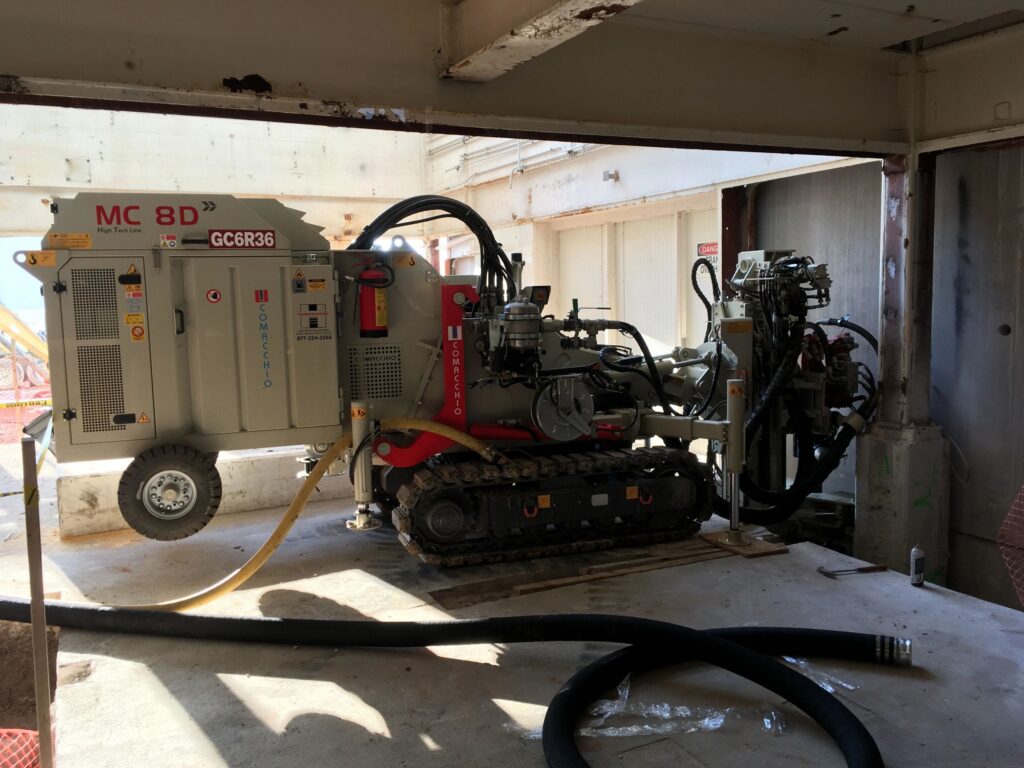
(41, 258)
(69, 240)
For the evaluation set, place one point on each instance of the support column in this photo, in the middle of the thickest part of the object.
(903, 459)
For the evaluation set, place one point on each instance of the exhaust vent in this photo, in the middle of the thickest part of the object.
(94, 292)
(101, 387)
(375, 373)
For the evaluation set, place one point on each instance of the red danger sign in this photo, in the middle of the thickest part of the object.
(243, 238)
(213, 296)
(707, 249)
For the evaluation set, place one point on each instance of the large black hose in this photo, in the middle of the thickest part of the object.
(660, 643)
(585, 686)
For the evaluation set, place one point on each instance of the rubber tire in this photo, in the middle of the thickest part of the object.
(183, 459)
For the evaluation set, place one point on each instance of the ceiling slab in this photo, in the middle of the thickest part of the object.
(719, 73)
(376, 64)
(872, 24)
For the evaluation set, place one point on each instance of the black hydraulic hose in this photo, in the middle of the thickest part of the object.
(604, 355)
(779, 379)
(842, 322)
(796, 493)
(495, 266)
(700, 409)
(659, 388)
(806, 465)
(661, 643)
(702, 262)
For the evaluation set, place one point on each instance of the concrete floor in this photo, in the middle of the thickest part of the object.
(155, 702)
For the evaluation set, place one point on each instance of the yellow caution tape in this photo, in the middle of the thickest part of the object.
(26, 403)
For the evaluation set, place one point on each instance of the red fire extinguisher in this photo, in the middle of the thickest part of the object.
(373, 300)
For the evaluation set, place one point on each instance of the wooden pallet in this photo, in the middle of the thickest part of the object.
(545, 575)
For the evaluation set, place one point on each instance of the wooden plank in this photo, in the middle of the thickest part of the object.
(541, 586)
(756, 547)
(550, 574)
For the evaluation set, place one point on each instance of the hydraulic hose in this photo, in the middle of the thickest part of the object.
(740, 650)
(796, 493)
(655, 376)
(779, 379)
(702, 262)
(239, 576)
(842, 322)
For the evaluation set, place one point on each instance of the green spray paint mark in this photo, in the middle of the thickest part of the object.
(923, 501)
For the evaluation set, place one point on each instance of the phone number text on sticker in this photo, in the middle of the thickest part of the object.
(243, 238)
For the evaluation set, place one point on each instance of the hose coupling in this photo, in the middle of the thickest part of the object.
(895, 651)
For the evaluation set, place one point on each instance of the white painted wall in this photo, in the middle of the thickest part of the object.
(649, 259)
(330, 173)
(583, 267)
(507, 180)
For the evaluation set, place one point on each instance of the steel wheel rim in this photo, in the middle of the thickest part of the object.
(169, 495)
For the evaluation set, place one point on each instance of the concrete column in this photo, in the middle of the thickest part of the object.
(903, 460)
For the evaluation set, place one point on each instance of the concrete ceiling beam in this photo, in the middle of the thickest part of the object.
(484, 39)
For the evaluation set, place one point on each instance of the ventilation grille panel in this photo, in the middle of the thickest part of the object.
(94, 292)
(375, 373)
(101, 387)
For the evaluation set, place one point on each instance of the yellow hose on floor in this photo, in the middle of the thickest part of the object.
(235, 579)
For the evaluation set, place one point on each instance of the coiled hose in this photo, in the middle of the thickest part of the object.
(238, 577)
(653, 644)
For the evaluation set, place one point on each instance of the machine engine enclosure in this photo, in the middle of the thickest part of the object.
(211, 325)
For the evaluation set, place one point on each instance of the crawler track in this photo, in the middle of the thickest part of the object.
(477, 512)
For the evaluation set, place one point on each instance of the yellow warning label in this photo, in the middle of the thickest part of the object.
(741, 326)
(132, 270)
(737, 389)
(298, 275)
(544, 502)
(380, 307)
(143, 418)
(134, 318)
(24, 403)
(632, 492)
(41, 258)
(317, 284)
(69, 240)
(405, 261)
(358, 413)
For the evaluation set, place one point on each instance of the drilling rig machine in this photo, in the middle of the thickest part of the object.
(180, 326)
